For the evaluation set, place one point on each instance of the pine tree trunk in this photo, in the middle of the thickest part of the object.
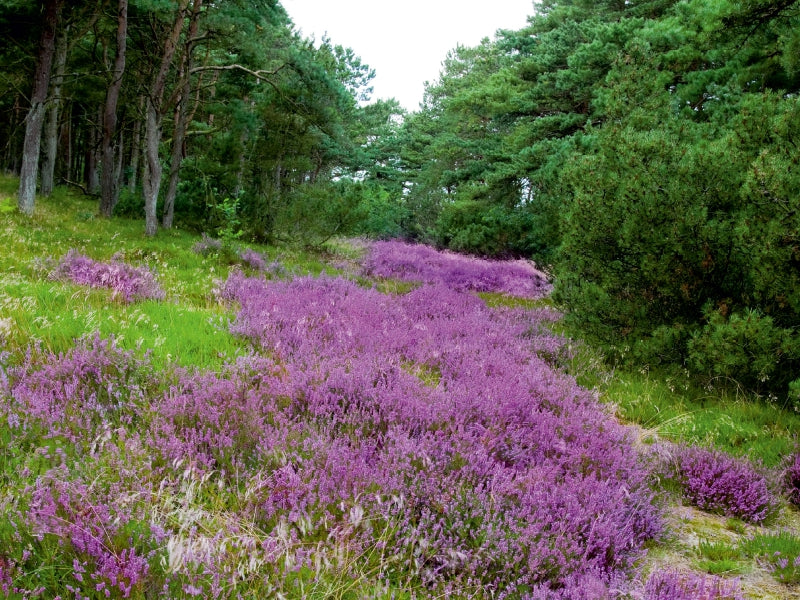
(91, 165)
(181, 119)
(50, 150)
(152, 134)
(26, 196)
(152, 168)
(120, 148)
(13, 149)
(108, 181)
(136, 148)
(66, 143)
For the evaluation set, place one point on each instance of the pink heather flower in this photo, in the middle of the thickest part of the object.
(717, 482)
(192, 590)
(670, 584)
(125, 281)
(254, 260)
(420, 263)
(792, 479)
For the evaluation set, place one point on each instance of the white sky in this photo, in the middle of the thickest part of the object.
(405, 41)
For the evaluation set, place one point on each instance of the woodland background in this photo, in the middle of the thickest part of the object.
(644, 152)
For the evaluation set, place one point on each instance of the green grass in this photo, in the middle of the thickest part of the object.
(774, 551)
(719, 558)
(678, 410)
(779, 551)
(188, 328)
(672, 405)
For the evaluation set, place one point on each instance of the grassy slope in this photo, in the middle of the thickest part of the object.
(190, 329)
(672, 407)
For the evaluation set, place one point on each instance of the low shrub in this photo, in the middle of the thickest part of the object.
(670, 584)
(496, 472)
(207, 246)
(718, 483)
(791, 479)
(412, 262)
(126, 282)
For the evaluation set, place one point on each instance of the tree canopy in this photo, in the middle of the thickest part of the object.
(644, 151)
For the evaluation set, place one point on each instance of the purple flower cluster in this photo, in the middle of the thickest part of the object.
(792, 479)
(72, 394)
(253, 259)
(411, 262)
(472, 460)
(422, 438)
(207, 245)
(106, 556)
(670, 584)
(125, 281)
(256, 261)
(717, 482)
(72, 419)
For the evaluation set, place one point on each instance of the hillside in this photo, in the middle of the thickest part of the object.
(184, 418)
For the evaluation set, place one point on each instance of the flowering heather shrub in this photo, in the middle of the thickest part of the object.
(85, 505)
(126, 282)
(671, 584)
(207, 245)
(503, 473)
(719, 483)
(254, 260)
(421, 263)
(792, 479)
(71, 393)
(415, 438)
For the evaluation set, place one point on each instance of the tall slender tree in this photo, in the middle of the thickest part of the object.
(154, 117)
(50, 141)
(108, 182)
(33, 128)
(181, 114)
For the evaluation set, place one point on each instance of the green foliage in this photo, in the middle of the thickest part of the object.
(384, 217)
(479, 228)
(314, 214)
(780, 552)
(227, 215)
(674, 244)
(747, 348)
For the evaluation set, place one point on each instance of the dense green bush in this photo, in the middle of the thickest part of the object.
(474, 227)
(681, 243)
(312, 214)
(650, 235)
(383, 217)
(746, 347)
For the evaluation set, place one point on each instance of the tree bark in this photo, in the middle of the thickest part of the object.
(155, 103)
(152, 168)
(136, 147)
(50, 150)
(181, 118)
(26, 196)
(108, 181)
(93, 141)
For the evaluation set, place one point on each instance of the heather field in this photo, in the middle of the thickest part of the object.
(182, 418)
